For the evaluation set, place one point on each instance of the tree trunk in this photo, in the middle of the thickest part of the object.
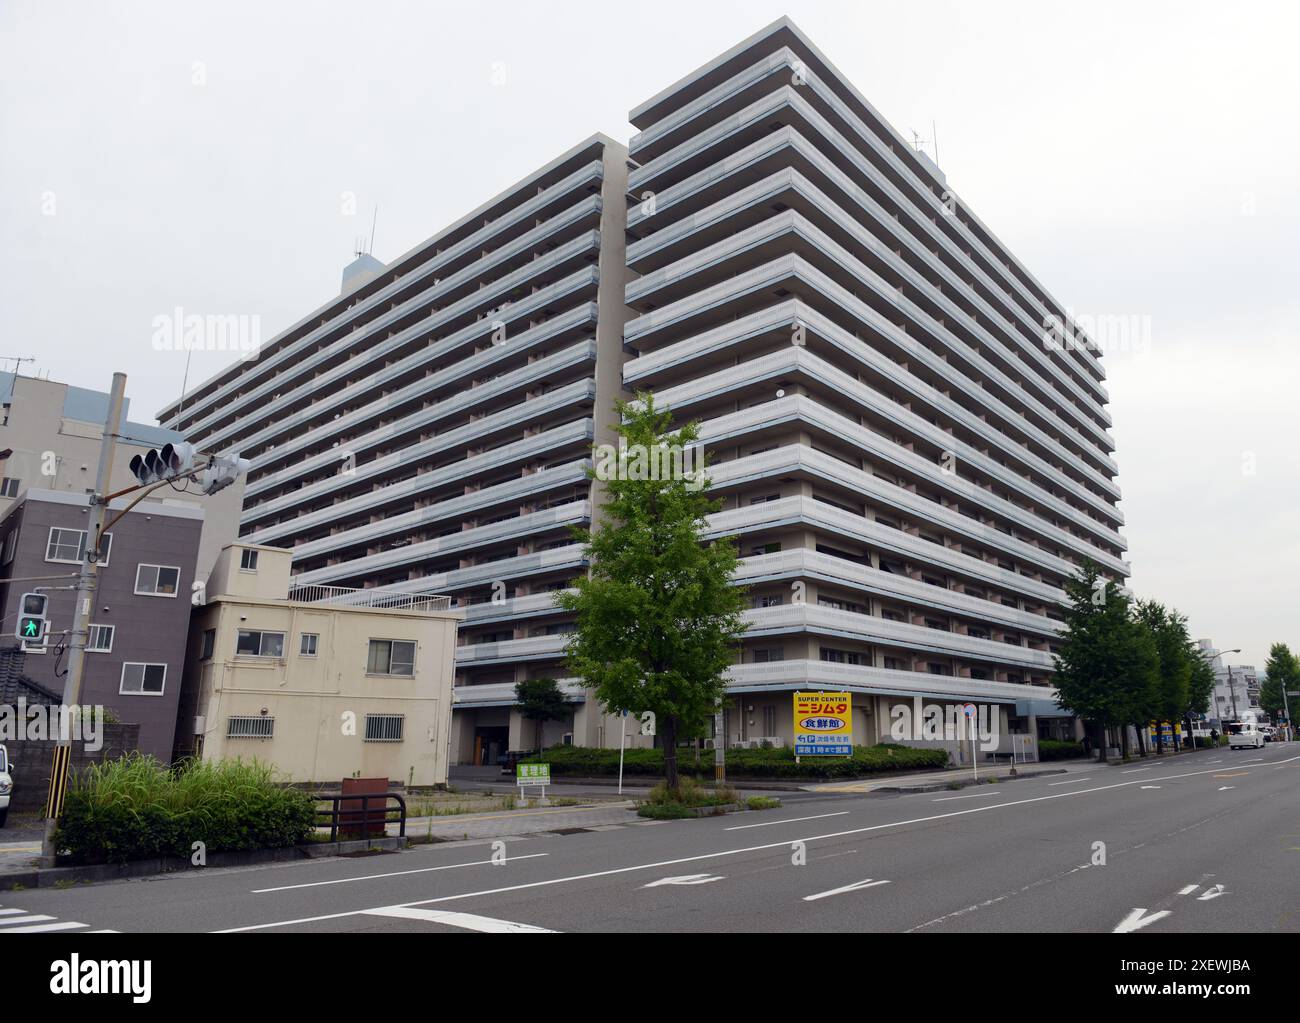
(1123, 741)
(670, 753)
(1103, 741)
(1142, 742)
(540, 723)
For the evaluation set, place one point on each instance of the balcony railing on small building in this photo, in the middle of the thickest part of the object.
(381, 599)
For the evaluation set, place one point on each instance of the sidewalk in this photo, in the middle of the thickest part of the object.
(513, 823)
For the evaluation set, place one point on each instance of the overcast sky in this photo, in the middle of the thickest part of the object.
(1141, 158)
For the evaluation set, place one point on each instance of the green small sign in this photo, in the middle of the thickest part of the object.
(533, 774)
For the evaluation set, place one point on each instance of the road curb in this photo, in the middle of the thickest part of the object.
(964, 784)
(98, 873)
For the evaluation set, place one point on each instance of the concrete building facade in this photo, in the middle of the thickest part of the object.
(912, 465)
(50, 436)
(136, 648)
(322, 682)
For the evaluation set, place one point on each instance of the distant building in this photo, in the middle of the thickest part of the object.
(50, 437)
(139, 621)
(1236, 686)
(322, 682)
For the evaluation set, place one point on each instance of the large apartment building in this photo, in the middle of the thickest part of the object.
(911, 467)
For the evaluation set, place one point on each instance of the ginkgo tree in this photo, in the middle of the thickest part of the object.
(658, 616)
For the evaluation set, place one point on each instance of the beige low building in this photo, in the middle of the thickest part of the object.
(323, 682)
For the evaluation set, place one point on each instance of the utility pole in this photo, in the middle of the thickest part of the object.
(87, 581)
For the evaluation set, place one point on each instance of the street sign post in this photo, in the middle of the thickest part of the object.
(970, 710)
(823, 724)
(533, 776)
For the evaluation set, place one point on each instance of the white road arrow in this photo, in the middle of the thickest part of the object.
(1213, 893)
(684, 879)
(868, 883)
(1135, 921)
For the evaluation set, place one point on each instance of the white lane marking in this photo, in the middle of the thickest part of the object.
(1135, 921)
(1213, 893)
(973, 795)
(1135, 770)
(683, 879)
(1226, 788)
(868, 883)
(1188, 890)
(1252, 760)
(468, 921)
(60, 925)
(724, 852)
(792, 820)
(1150, 787)
(396, 873)
(1073, 781)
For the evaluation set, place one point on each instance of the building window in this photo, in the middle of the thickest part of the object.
(68, 546)
(769, 721)
(157, 580)
(11, 544)
(769, 600)
(143, 679)
(100, 640)
(391, 657)
(307, 644)
(9, 487)
(384, 727)
(250, 727)
(840, 656)
(766, 655)
(259, 644)
(247, 560)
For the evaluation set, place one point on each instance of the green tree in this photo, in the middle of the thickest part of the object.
(1168, 631)
(540, 700)
(658, 619)
(1107, 666)
(1283, 673)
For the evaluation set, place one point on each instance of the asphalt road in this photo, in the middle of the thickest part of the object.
(1206, 842)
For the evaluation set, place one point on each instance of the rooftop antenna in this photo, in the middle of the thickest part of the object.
(934, 134)
(373, 221)
(17, 360)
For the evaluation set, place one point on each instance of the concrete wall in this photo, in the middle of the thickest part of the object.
(32, 760)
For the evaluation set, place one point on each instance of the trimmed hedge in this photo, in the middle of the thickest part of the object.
(588, 762)
(1055, 749)
(137, 808)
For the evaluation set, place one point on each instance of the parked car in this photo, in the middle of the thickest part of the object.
(1245, 735)
(6, 784)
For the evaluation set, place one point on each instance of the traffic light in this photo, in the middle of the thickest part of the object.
(172, 461)
(223, 470)
(31, 617)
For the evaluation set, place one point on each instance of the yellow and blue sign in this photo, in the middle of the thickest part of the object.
(823, 724)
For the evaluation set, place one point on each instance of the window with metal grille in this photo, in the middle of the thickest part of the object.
(250, 727)
(384, 727)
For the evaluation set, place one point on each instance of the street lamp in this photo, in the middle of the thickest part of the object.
(1232, 688)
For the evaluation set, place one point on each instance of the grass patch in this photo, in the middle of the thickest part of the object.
(762, 803)
(136, 808)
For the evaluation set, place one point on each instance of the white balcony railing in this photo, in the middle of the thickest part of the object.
(386, 600)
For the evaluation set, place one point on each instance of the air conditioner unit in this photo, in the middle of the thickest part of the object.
(775, 741)
(200, 725)
(710, 744)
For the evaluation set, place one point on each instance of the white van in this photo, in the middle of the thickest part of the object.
(6, 785)
(1245, 735)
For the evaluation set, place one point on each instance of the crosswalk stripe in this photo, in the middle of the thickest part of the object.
(59, 925)
(26, 918)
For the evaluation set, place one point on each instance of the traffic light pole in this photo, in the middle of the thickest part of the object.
(87, 581)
